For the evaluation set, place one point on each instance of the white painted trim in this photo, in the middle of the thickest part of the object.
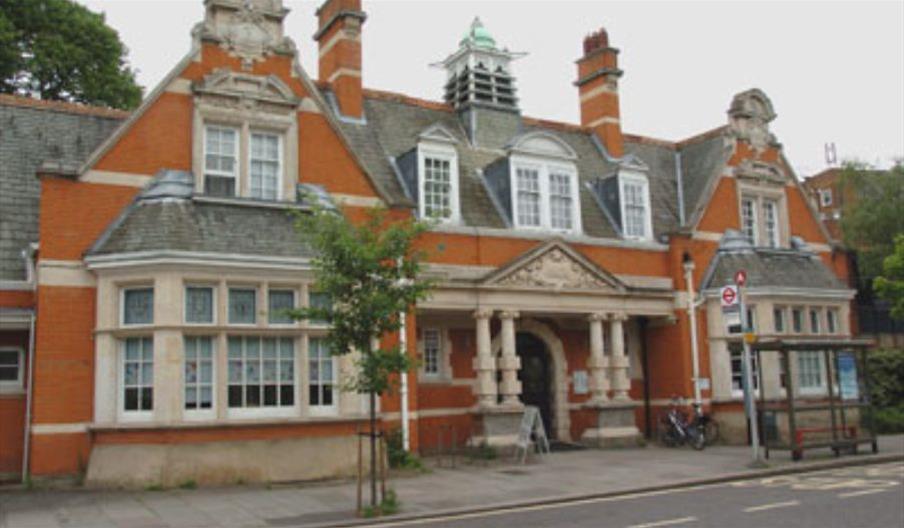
(637, 178)
(122, 415)
(343, 71)
(355, 200)
(603, 121)
(122, 305)
(339, 35)
(545, 167)
(179, 86)
(308, 105)
(64, 273)
(201, 414)
(14, 285)
(601, 89)
(60, 428)
(145, 258)
(124, 179)
(710, 236)
(18, 384)
(443, 152)
(214, 291)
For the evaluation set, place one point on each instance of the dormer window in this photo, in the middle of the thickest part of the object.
(438, 182)
(762, 218)
(634, 197)
(545, 195)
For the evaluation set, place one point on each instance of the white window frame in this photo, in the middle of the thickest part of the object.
(773, 239)
(122, 305)
(236, 151)
(833, 320)
(803, 320)
(138, 415)
(739, 393)
(213, 299)
(439, 352)
(201, 414)
(813, 389)
(278, 288)
(257, 304)
(624, 179)
(544, 168)
(752, 238)
(825, 197)
(278, 411)
(443, 153)
(320, 410)
(19, 383)
(782, 312)
(811, 311)
(280, 166)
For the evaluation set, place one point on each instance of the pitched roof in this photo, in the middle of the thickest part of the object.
(772, 268)
(165, 217)
(394, 122)
(31, 133)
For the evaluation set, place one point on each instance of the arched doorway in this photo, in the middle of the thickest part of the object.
(535, 376)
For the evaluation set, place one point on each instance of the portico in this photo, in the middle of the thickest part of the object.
(578, 316)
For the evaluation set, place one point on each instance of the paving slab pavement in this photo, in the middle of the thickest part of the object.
(468, 485)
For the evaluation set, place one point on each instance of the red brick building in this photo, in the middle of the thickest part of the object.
(165, 253)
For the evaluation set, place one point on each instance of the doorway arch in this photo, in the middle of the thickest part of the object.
(558, 391)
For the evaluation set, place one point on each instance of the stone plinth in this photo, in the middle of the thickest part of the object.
(500, 426)
(615, 426)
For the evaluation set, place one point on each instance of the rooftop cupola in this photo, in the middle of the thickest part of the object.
(478, 72)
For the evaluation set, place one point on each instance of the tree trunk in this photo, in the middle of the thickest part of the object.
(373, 449)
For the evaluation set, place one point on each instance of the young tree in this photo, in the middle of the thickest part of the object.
(371, 273)
(890, 285)
(57, 49)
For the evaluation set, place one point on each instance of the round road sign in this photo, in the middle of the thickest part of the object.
(729, 296)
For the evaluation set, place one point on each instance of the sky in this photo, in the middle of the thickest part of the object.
(833, 70)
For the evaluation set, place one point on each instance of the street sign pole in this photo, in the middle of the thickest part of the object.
(749, 394)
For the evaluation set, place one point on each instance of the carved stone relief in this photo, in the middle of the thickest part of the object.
(554, 269)
(749, 116)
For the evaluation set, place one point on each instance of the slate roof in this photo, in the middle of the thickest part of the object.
(772, 268)
(31, 133)
(394, 122)
(166, 217)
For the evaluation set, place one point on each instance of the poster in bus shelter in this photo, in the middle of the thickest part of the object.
(847, 376)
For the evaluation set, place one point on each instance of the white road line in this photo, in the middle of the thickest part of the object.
(772, 506)
(859, 493)
(667, 522)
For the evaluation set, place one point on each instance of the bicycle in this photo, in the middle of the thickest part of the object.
(677, 429)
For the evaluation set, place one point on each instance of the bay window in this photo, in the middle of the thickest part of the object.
(321, 376)
(137, 306)
(778, 319)
(261, 372)
(832, 320)
(242, 306)
(280, 301)
(198, 373)
(199, 304)
(137, 371)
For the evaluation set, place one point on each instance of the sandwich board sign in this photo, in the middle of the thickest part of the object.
(531, 425)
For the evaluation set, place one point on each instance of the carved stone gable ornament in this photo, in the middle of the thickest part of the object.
(557, 270)
(749, 116)
(248, 29)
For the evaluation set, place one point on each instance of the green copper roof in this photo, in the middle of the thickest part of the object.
(478, 36)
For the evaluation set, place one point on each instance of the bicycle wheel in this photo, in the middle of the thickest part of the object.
(711, 432)
(666, 436)
(697, 437)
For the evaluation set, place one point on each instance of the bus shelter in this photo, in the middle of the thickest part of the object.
(837, 417)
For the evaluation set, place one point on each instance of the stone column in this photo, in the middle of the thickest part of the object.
(484, 362)
(598, 363)
(618, 364)
(509, 363)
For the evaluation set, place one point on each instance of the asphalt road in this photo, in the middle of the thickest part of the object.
(861, 496)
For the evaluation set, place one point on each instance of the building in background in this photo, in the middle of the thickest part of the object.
(832, 197)
(165, 253)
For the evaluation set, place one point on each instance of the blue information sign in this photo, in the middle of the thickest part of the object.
(847, 376)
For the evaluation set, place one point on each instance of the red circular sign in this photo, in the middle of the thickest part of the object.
(740, 277)
(728, 296)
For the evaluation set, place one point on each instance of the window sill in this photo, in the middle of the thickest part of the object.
(136, 425)
(12, 391)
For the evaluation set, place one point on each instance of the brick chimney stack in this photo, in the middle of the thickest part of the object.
(597, 84)
(339, 42)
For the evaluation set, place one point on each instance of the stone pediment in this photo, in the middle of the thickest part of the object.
(230, 84)
(554, 266)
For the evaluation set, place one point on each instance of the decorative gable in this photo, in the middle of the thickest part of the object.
(542, 144)
(225, 83)
(557, 266)
(437, 133)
